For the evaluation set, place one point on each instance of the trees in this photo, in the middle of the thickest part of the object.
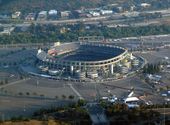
(51, 33)
(6, 81)
(81, 102)
(27, 93)
(34, 93)
(1, 83)
(20, 93)
(151, 68)
(64, 96)
(71, 97)
(21, 76)
(27, 6)
(56, 97)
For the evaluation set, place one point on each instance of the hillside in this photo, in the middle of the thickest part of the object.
(37, 5)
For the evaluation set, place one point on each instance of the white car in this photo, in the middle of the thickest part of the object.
(112, 100)
(105, 98)
(167, 99)
(164, 95)
(149, 103)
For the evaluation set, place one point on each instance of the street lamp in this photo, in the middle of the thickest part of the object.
(37, 83)
(164, 113)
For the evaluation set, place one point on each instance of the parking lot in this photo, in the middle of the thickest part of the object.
(155, 56)
(41, 89)
(23, 106)
(24, 96)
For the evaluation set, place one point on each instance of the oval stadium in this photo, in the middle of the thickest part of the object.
(83, 59)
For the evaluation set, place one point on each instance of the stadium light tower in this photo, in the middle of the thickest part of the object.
(61, 72)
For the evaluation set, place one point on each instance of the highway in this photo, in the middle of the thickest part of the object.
(114, 18)
(72, 20)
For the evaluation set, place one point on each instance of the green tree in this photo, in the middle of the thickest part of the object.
(27, 93)
(6, 81)
(71, 97)
(20, 93)
(81, 102)
(1, 83)
(56, 97)
(64, 96)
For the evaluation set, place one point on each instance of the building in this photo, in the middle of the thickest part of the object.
(30, 17)
(94, 13)
(42, 15)
(16, 15)
(145, 5)
(65, 14)
(7, 31)
(106, 12)
(53, 12)
(132, 102)
(85, 59)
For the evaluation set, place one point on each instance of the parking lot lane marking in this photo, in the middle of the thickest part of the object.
(13, 83)
(75, 91)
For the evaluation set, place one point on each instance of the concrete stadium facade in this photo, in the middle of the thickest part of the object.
(70, 57)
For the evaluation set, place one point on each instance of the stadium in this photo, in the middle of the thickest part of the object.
(84, 59)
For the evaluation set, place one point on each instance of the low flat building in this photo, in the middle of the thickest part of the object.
(42, 15)
(53, 12)
(65, 14)
(7, 31)
(145, 5)
(94, 13)
(106, 12)
(16, 15)
(132, 102)
(30, 16)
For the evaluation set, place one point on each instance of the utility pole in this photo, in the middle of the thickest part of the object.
(164, 114)
(37, 83)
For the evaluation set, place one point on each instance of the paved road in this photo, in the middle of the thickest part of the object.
(97, 114)
(92, 19)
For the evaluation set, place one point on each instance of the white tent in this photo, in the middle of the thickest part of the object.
(131, 99)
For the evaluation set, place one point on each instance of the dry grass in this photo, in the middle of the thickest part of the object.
(35, 122)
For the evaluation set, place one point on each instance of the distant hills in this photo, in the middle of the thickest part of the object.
(37, 5)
